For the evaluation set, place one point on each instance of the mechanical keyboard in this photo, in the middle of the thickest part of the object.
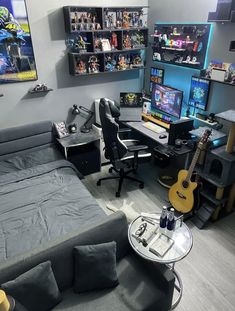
(154, 127)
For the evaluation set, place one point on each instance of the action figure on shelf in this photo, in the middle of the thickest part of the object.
(122, 63)
(114, 41)
(106, 20)
(140, 18)
(93, 64)
(111, 20)
(127, 42)
(125, 19)
(109, 63)
(81, 67)
(119, 19)
(97, 44)
(137, 61)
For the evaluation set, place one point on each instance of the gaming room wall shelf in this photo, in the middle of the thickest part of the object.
(105, 39)
(40, 91)
(217, 81)
(225, 12)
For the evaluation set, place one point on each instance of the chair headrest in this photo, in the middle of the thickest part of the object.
(114, 107)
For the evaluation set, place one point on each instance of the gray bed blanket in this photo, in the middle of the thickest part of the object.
(40, 204)
(30, 159)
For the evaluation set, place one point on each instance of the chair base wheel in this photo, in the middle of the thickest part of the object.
(141, 186)
(117, 194)
(98, 183)
(110, 170)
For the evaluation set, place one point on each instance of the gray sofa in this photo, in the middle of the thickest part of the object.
(143, 285)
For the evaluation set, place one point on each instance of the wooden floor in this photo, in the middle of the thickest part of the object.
(208, 272)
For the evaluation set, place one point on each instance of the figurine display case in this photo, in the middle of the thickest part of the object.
(181, 44)
(117, 38)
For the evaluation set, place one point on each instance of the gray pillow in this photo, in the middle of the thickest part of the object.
(35, 289)
(95, 267)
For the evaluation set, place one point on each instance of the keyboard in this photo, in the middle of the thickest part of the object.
(154, 127)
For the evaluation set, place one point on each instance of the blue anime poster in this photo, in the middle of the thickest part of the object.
(17, 62)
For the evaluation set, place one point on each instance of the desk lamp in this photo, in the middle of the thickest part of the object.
(75, 112)
(85, 127)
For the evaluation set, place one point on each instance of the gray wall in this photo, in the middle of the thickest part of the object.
(221, 97)
(48, 35)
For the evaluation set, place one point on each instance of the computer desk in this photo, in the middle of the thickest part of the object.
(163, 142)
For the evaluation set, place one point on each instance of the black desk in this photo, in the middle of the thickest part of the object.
(162, 143)
(138, 126)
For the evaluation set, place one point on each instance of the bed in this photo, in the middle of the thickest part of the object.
(41, 195)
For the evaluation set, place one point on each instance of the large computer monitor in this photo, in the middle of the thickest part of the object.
(166, 100)
(199, 93)
(156, 76)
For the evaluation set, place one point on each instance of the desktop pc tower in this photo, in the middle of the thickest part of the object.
(179, 129)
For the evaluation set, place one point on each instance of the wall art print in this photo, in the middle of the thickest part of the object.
(17, 62)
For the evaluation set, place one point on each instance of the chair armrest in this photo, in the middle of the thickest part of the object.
(137, 148)
(124, 130)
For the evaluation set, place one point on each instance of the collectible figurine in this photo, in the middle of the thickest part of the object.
(127, 42)
(125, 19)
(140, 18)
(111, 20)
(93, 64)
(97, 44)
(110, 63)
(106, 20)
(137, 61)
(81, 44)
(119, 19)
(80, 67)
(114, 41)
(122, 63)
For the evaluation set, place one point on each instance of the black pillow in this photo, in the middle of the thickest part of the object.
(95, 267)
(35, 289)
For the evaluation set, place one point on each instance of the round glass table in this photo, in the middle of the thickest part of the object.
(181, 238)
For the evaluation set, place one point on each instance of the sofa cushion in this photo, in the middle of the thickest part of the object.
(95, 267)
(36, 289)
(136, 292)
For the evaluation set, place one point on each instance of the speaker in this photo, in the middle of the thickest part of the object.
(147, 108)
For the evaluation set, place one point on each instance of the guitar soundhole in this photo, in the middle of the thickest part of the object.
(185, 184)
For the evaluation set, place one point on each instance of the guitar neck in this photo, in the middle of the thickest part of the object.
(193, 164)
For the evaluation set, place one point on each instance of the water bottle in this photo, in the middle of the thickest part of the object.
(163, 219)
(171, 221)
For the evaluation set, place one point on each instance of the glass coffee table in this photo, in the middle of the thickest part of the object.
(182, 244)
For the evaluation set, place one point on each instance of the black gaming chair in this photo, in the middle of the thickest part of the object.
(123, 156)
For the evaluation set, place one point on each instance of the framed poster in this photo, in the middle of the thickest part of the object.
(17, 62)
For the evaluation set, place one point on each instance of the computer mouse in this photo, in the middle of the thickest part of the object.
(162, 136)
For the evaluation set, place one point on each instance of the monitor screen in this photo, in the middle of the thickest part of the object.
(199, 93)
(166, 100)
(131, 99)
(156, 76)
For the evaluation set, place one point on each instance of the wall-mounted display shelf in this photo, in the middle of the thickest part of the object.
(181, 44)
(43, 90)
(232, 46)
(222, 82)
(102, 39)
(204, 121)
(225, 12)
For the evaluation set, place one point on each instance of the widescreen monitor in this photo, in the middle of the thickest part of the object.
(166, 100)
(199, 93)
(156, 76)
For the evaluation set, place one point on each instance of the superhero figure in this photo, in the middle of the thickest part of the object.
(11, 36)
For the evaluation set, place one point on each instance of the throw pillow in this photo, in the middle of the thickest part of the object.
(95, 267)
(35, 289)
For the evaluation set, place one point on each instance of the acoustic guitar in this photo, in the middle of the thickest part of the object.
(181, 193)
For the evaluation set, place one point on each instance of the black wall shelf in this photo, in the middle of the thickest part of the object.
(221, 82)
(225, 12)
(105, 39)
(40, 91)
